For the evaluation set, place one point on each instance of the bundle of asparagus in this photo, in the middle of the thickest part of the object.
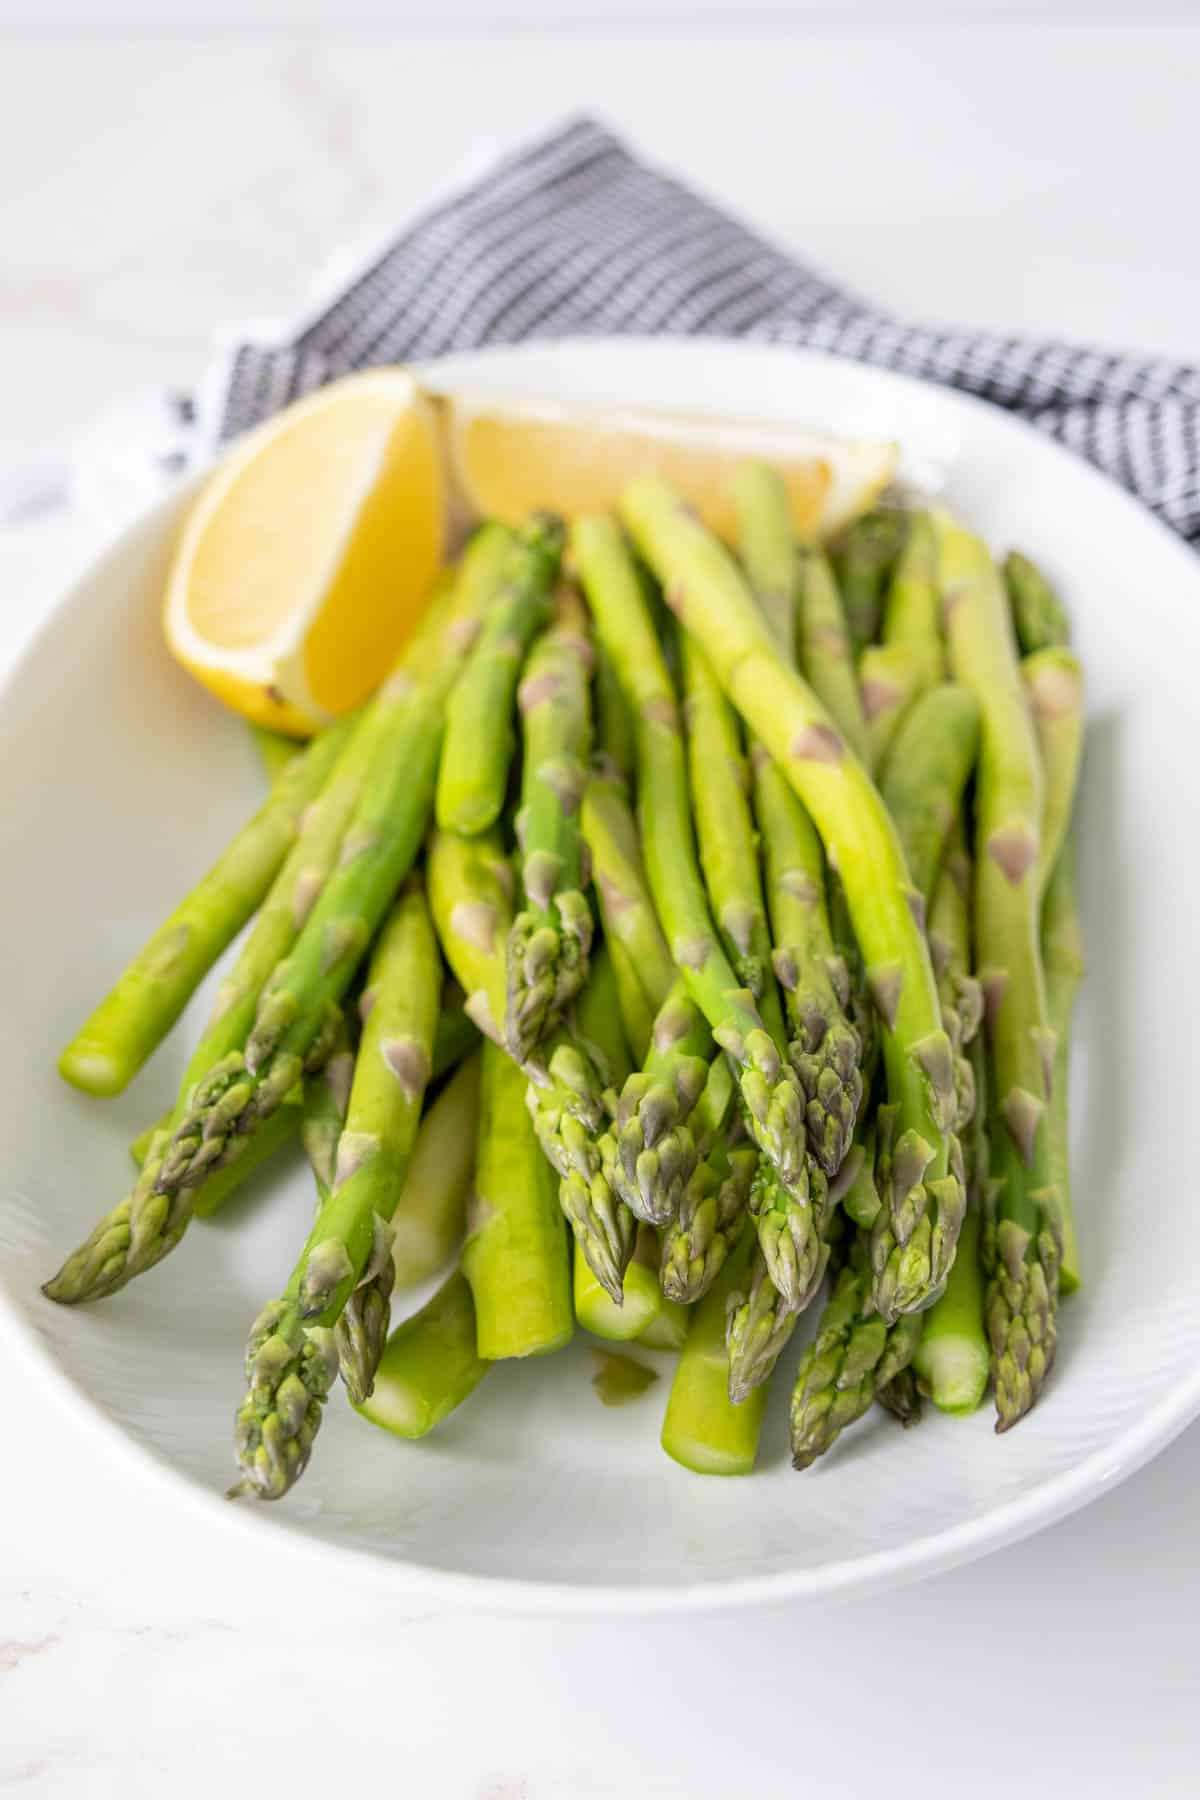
(727, 854)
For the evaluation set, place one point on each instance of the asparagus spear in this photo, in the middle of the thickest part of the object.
(768, 548)
(134, 1017)
(902, 1396)
(889, 680)
(648, 1153)
(791, 1222)
(925, 776)
(551, 936)
(1023, 1241)
(275, 751)
(515, 1256)
(725, 832)
(923, 1192)
(1039, 617)
(1062, 953)
(826, 661)
(703, 1428)
(470, 895)
(291, 1355)
(479, 736)
(148, 1224)
(853, 1355)
(604, 1229)
(716, 1199)
(431, 1211)
(950, 947)
(1054, 683)
(641, 1296)
(863, 558)
(951, 1361)
(911, 614)
(769, 1089)
(758, 1327)
(615, 737)
(430, 1365)
(825, 1049)
(641, 961)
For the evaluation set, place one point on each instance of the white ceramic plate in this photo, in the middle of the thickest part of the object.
(119, 780)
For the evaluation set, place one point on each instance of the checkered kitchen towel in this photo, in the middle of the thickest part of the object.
(572, 234)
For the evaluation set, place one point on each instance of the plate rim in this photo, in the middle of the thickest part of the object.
(1049, 1502)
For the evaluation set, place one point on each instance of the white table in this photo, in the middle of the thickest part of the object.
(1018, 175)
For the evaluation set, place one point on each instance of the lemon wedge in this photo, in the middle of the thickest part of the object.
(507, 457)
(308, 555)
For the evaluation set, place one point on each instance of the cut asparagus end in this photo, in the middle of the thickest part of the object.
(703, 1430)
(430, 1365)
(598, 1313)
(954, 1372)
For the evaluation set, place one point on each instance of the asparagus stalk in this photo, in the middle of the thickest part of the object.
(394, 736)
(926, 775)
(889, 680)
(791, 1224)
(604, 1229)
(1023, 1241)
(769, 1089)
(641, 959)
(551, 936)
(431, 1211)
(725, 832)
(901, 1396)
(758, 1326)
(951, 1361)
(648, 1153)
(615, 736)
(430, 1365)
(826, 661)
(1054, 683)
(641, 1296)
(275, 751)
(1038, 615)
(852, 1357)
(134, 1017)
(292, 1351)
(768, 548)
(470, 895)
(922, 1191)
(515, 1256)
(863, 558)
(1062, 953)
(911, 614)
(824, 1048)
(479, 743)
(715, 1203)
(950, 947)
(703, 1429)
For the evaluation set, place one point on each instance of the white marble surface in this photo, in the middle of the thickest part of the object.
(1011, 174)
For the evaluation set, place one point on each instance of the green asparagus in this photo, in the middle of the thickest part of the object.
(1023, 1238)
(863, 557)
(769, 1089)
(648, 1153)
(922, 1191)
(1054, 683)
(395, 741)
(291, 1355)
(1062, 954)
(1039, 617)
(275, 751)
(431, 1211)
(641, 1296)
(703, 1428)
(641, 959)
(551, 936)
(473, 776)
(951, 1361)
(430, 1365)
(925, 776)
(515, 1256)
(825, 655)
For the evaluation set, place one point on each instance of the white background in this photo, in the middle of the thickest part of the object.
(1004, 171)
